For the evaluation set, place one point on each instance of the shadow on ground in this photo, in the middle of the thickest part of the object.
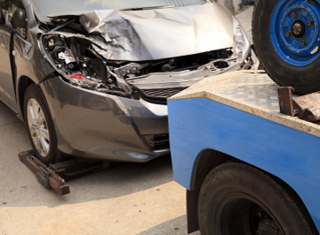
(177, 226)
(19, 186)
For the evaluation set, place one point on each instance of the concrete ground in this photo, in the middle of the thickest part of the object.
(125, 199)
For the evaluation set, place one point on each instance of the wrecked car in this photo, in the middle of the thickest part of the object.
(91, 78)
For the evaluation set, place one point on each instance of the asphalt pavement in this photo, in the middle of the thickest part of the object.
(124, 199)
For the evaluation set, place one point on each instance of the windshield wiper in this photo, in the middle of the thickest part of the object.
(146, 8)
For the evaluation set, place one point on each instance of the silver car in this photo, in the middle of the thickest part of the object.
(91, 77)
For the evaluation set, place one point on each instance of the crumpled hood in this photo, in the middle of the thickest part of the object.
(158, 33)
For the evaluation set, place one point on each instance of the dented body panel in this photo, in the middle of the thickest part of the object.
(106, 75)
(96, 125)
(129, 35)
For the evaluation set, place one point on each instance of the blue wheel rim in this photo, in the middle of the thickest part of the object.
(294, 31)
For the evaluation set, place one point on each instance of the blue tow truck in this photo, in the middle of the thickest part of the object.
(247, 168)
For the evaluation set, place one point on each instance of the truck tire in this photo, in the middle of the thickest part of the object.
(236, 198)
(286, 36)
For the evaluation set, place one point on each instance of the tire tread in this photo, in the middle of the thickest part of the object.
(299, 210)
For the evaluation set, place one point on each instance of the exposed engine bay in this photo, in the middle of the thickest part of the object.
(125, 53)
(76, 59)
(121, 52)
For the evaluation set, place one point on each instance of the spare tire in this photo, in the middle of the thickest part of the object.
(286, 36)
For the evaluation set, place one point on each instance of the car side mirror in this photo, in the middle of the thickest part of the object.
(19, 22)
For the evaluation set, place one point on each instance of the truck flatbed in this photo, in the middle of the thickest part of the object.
(250, 91)
(238, 115)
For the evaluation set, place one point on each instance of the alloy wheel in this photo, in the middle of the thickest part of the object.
(38, 127)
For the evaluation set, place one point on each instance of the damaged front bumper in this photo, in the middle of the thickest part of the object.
(111, 127)
(158, 87)
(96, 125)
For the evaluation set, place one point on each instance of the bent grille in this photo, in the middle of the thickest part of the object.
(159, 142)
(161, 93)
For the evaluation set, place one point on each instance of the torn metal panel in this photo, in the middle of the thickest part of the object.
(129, 35)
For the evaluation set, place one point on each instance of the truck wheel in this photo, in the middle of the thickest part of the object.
(236, 198)
(41, 130)
(286, 35)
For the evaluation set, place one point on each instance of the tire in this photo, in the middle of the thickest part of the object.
(236, 198)
(40, 126)
(290, 60)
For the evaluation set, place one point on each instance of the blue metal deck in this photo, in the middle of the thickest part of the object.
(290, 154)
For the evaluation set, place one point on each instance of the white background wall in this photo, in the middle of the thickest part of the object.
(232, 5)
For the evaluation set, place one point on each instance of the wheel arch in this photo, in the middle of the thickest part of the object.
(23, 84)
(206, 161)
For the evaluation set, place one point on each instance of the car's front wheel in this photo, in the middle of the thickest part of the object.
(41, 130)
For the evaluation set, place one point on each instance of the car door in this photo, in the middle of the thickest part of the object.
(7, 94)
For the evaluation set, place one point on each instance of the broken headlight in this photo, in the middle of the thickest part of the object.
(241, 43)
(77, 61)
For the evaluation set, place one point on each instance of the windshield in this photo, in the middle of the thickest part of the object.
(49, 7)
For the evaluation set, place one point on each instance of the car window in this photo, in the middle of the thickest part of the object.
(49, 7)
